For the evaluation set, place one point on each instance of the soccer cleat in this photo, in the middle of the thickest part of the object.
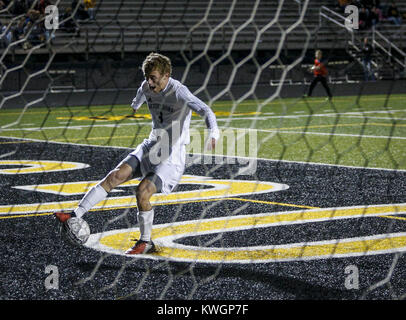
(64, 216)
(142, 247)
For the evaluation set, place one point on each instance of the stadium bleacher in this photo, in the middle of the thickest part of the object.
(136, 26)
(184, 27)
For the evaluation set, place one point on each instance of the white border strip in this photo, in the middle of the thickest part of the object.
(215, 155)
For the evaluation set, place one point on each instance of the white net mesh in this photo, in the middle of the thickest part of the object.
(303, 198)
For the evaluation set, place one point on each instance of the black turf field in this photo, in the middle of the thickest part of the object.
(31, 243)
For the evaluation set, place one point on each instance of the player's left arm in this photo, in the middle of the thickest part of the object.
(207, 113)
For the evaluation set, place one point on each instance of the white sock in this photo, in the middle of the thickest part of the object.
(91, 198)
(145, 220)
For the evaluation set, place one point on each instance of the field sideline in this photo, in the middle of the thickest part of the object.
(367, 131)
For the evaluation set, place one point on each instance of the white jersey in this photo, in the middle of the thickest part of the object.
(171, 110)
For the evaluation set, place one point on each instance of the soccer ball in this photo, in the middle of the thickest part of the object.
(76, 231)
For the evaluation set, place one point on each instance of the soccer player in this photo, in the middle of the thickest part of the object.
(160, 159)
(320, 75)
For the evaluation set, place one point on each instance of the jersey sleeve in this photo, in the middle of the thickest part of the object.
(138, 100)
(203, 110)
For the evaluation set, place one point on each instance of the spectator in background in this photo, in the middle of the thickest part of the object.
(90, 7)
(6, 36)
(67, 22)
(81, 13)
(375, 16)
(343, 3)
(18, 32)
(42, 5)
(367, 52)
(30, 29)
(393, 14)
(364, 19)
(34, 29)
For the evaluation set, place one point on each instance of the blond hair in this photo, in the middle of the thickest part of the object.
(156, 61)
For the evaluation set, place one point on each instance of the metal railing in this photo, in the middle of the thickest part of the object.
(389, 49)
(335, 18)
(392, 52)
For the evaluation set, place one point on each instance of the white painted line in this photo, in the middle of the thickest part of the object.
(214, 155)
(381, 118)
(277, 131)
(257, 118)
(336, 134)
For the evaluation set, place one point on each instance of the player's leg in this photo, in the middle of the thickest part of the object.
(151, 184)
(125, 171)
(117, 176)
(326, 87)
(162, 178)
(312, 86)
(122, 173)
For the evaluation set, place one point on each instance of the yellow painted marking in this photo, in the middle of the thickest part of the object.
(75, 140)
(26, 215)
(227, 113)
(117, 241)
(219, 189)
(396, 218)
(282, 253)
(220, 102)
(40, 166)
(147, 116)
(107, 118)
(134, 205)
(17, 141)
(274, 203)
(71, 188)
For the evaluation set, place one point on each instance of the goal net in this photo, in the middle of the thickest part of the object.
(303, 197)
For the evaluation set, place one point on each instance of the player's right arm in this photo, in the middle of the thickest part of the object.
(139, 98)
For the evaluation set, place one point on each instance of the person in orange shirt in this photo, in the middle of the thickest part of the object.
(90, 8)
(320, 75)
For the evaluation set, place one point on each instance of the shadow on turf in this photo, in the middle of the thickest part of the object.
(300, 290)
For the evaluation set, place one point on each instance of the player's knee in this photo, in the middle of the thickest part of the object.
(143, 193)
(115, 178)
